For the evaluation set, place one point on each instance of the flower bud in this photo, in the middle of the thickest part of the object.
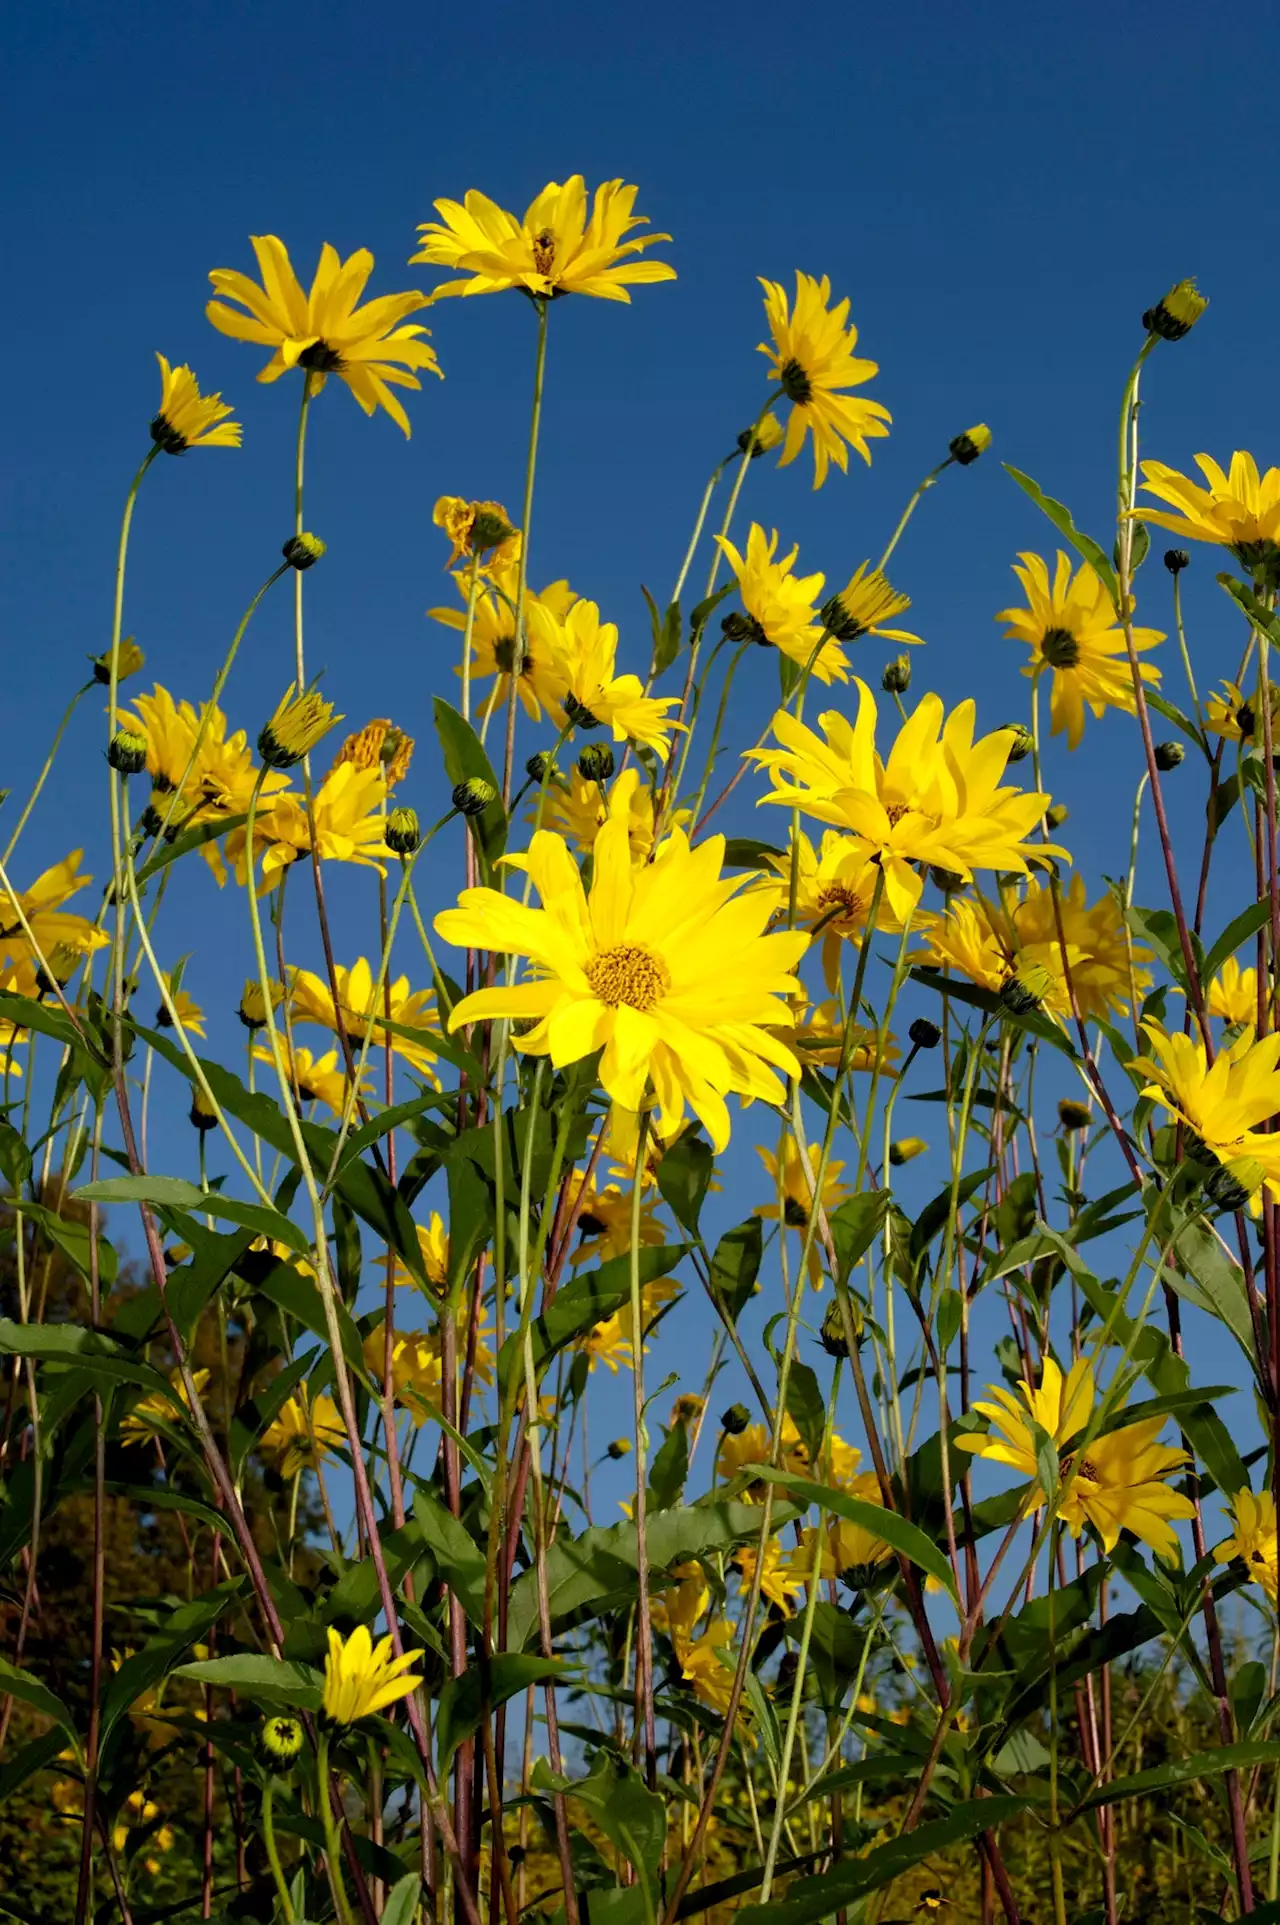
(1168, 755)
(473, 796)
(832, 1333)
(201, 1115)
(924, 1034)
(1176, 559)
(896, 679)
(1074, 1116)
(619, 1448)
(402, 833)
(744, 628)
(300, 721)
(1056, 815)
(735, 1420)
(474, 527)
(945, 879)
(596, 763)
(127, 752)
(905, 1148)
(129, 659)
(303, 551)
(759, 440)
(1025, 992)
(968, 446)
(1177, 313)
(1022, 744)
(687, 1408)
(280, 1742)
(252, 1008)
(537, 765)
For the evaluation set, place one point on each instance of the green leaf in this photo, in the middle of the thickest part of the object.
(1260, 616)
(189, 1624)
(35, 1756)
(748, 852)
(17, 1683)
(684, 1173)
(189, 839)
(88, 1350)
(402, 1901)
(811, 1900)
(1060, 516)
(905, 1537)
(1237, 931)
(585, 1301)
(464, 757)
(735, 1265)
(935, 1214)
(15, 1157)
(73, 1240)
(1219, 1277)
(1184, 1771)
(460, 1558)
(855, 1225)
(273, 1680)
(669, 1469)
(632, 1817)
(806, 1407)
(460, 1705)
(666, 633)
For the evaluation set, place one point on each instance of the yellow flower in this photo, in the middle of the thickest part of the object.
(140, 1422)
(1071, 628)
(935, 801)
(361, 1678)
(188, 419)
(905, 1149)
(781, 607)
(812, 359)
(1177, 312)
(1253, 1539)
(1235, 716)
(866, 602)
(302, 718)
(1233, 993)
(349, 826)
(751, 1446)
(817, 1033)
(41, 906)
(378, 745)
(361, 1000)
(584, 652)
(556, 249)
(1117, 1484)
(834, 890)
(302, 1434)
(797, 1191)
(1239, 511)
(580, 811)
(604, 1223)
(324, 332)
(660, 967)
(475, 528)
(542, 683)
(848, 1550)
(188, 1012)
(992, 941)
(612, 1342)
(708, 1663)
(779, 1582)
(315, 1079)
(433, 1241)
(189, 750)
(417, 1361)
(1224, 1104)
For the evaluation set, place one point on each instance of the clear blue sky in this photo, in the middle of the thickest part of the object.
(1001, 190)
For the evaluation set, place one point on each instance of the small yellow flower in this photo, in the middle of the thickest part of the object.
(1253, 1539)
(378, 745)
(781, 608)
(812, 360)
(188, 1012)
(557, 248)
(604, 1223)
(302, 719)
(541, 684)
(866, 602)
(1233, 993)
(477, 528)
(41, 907)
(365, 1007)
(252, 1008)
(1227, 1103)
(751, 1446)
(361, 1678)
(905, 1148)
(1239, 510)
(315, 1079)
(302, 1434)
(1072, 630)
(797, 1191)
(129, 659)
(848, 1550)
(584, 652)
(155, 1408)
(188, 419)
(965, 448)
(779, 1580)
(346, 822)
(1177, 313)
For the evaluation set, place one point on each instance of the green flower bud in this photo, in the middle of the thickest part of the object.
(1168, 755)
(1176, 559)
(1057, 815)
(924, 1034)
(968, 446)
(744, 628)
(303, 551)
(202, 1117)
(1177, 313)
(402, 834)
(832, 1333)
(596, 763)
(473, 796)
(1230, 1186)
(1074, 1116)
(619, 1448)
(1022, 744)
(127, 752)
(945, 879)
(1025, 992)
(280, 1742)
(896, 679)
(735, 1420)
(766, 434)
(537, 765)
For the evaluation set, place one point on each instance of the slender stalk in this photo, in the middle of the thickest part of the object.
(644, 1639)
(522, 578)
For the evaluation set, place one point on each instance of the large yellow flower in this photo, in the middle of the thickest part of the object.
(360, 1000)
(1253, 1539)
(992, 941)
(49, 923)
(1224, 1103)
(834, 889)
(349, 824)
(557, 249)
(302, 1434)
(584, 650)
(188, 419)
(360, 1679)
(812, 359)
(1116, 1484)
(1239, 511)
(324, 332)
(1071, 628)
(542, 684)
(664, 967)
(781, 607)
(1233, 993)
(936, 800)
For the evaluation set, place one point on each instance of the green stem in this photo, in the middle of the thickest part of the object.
(272, 1851)
(467, 632)
(909, 510)
(644, 1633)
(298, 471)
(41, 779)
(522, 578)
(332, 1848)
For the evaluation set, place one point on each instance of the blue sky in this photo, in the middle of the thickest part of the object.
(1001, 190)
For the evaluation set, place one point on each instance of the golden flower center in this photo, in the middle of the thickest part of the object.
(895, 812)
(629, 973)
(1084, 1468)
(544, 250)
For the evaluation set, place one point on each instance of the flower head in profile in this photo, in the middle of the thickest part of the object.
(848, 1551)
(792, 1193)
(613, 1342)
(479, 529)
(1239, 510)
(542, 684)
(1225, 1103)
(664, 967)
(346, 822)
(781, 608)
(186, 1011)
(40, 908)
(558, 248)
(604, 1222)
(835, 887)
(303, 1432)
(812, 359)
(866, 603)
(365, 1007)
(936, 800)
(361, 1678)
(158, 1408)
(1117, 1482)
(584, 650)
(1233, 993)
(188, 419)
(324, 332)
(302, 718)
(316, 1079)
(1071, 628)
(1253, 1538)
